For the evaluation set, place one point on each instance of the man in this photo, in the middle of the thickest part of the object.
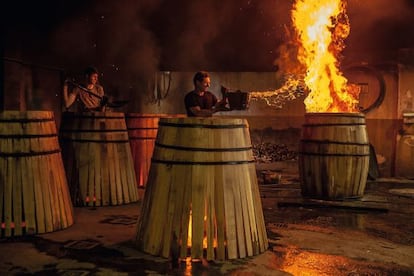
(90, 95)
(200, 102)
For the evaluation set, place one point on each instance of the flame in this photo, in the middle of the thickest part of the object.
(321, 28)
(190, 231)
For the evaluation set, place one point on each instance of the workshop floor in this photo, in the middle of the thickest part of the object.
(371, 236)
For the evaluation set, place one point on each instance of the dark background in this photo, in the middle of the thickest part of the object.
(127, 39)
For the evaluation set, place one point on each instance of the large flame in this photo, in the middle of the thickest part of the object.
(321, 28)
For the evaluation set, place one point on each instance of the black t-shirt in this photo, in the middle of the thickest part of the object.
(192, 99)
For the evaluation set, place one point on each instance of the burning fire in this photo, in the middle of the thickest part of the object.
(321, 28)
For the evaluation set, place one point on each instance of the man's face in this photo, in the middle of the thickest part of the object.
(203, 85)
(93, 78)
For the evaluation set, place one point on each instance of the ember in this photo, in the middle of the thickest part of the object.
(270, 152)
(293, 88)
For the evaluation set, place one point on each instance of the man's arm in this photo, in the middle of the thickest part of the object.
(198, 112)
(69, 97)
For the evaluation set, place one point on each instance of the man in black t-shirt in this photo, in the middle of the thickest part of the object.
(200, 102)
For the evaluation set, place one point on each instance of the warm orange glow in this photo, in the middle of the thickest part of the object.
(321, 28)
(190, 230)
(298, 262)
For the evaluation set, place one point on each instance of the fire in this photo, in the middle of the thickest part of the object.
(321, 28)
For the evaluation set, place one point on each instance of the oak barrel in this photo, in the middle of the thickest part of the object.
(334, 156)
(142, 131)
(202, 170)
(34, 195)
(97, 158)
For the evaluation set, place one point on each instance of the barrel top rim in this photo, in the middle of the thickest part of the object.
(93, 113)
(15, 115)
(350, 114)
(154, 115)
(197, 122)
(334, 114)
(202, 119)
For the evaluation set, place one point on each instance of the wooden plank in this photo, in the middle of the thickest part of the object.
(83, 159)
(16, 187)
(260, 222)
(230, 218)
(38, 199)
(117, 174)
(46, 167)
(17, 197)
(111, 173)
(144, 210)
(90, 174)
(62, 194)
(219, 205)
(238, 210)
(132, 181)
(211, 212)
(181, 179)
(29, 197)
(3, 181)
(157, 214)
(8, 204)
(129, 182)
(45, 173)
(197, 207)
(100, 188)
(54, 185)
(247, 210)
(124, 180)
(174, 200)
(185, 213)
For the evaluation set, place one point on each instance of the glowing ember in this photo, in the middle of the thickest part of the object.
(321, 28)
(293, 88)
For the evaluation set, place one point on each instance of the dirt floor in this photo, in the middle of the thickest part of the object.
(370, 236)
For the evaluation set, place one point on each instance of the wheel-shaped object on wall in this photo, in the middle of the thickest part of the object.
(372, 85)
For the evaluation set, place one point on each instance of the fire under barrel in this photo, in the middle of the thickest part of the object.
(334, 156)
(202, 198)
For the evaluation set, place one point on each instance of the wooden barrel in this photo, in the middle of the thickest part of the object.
(98, 159)
(34, 195)
(142, 131)
(202, 198)
(334, 156)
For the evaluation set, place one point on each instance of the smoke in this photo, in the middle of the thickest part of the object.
(130, 39)
(218, 35)
(111, 35)
(381, 24)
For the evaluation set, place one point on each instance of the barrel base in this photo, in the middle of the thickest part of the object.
(331, 198)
